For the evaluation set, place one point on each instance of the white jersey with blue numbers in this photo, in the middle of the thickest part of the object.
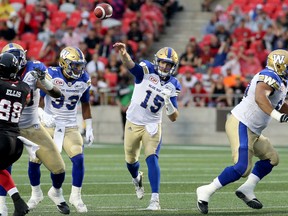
(248, 112)
(29, 115)
(64, 109)
(147, 102)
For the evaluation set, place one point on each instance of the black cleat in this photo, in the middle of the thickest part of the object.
(202, 206)
(254, 203)
(63, 208)
(21, 208)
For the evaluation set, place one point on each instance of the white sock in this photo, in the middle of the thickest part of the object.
(75, 190)
(252, 180)
(155, 196)
(137, 179)
(215, 185)
(2, 200)
(12, 191)
(36, 189)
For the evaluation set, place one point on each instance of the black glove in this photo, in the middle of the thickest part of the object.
(38, 73)
(284, 118)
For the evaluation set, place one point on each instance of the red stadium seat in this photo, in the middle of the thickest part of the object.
(33, 53)
(134, 46)
(21, 43)
(56, 22)
(29, 8)
(104, 60)
(18, 1)
(73, 21)
(58, 15)
(28, 36)
(36, 44)
(52, 7)
(3, 43)
(111, 78)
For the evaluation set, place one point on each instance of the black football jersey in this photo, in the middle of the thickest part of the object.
(13, 96)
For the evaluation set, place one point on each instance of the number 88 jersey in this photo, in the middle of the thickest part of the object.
(64, 109)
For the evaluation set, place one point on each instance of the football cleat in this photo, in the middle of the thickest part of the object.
(139, 188)
(35, 199)
(56, 196)
(3, 209)
(203, 195)
(21, 208)
(248, 196)
(78, 203)
(154, 205)
(202, 206)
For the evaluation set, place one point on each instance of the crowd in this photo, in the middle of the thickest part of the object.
(236, 41)
(44, 27)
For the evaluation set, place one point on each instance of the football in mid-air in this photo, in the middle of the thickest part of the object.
(103, 11)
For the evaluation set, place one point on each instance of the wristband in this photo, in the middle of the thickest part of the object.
(88, 123)
(47, 84)
(170, 109)
(276, 115)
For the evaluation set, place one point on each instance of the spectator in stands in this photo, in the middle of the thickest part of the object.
(206, 5)
(187, 80)
(71, 38)
(241, 33)
(135, 34)
(232, 63)
(125, 89)
(210, 27)
(220, 95)
(5, 9)
(256, 12)
(221, 13)
(45, 32)
(36, 18)
(260, 51)
(199, 95)
(118, 8)
(206, 58)
(189, 57)
(6, 33)
(222, 33)
(221, 56)
(249, 64)
(134, 5)
(60, 32)
(92, 40)
(84, 48)
(14, 22)
(49, 52)
(105, 47)
(95, 98)
(94, 66)
(113, 64)
(238, 90)
(231, 24)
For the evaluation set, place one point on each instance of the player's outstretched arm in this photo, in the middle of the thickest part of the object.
(125, 57)
(45, 84)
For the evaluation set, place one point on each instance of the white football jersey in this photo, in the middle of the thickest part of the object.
(64, 109)
(147, 102)
(29, 115)
(248, 112)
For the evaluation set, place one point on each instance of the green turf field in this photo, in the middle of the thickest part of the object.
(108, 189)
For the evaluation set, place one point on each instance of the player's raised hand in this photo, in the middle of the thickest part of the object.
(37, 73)
(121, 47)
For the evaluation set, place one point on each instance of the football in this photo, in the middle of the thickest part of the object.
(103, 11)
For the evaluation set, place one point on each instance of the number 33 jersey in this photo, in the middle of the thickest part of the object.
(248, 112)
(64, 109)
(147, 101)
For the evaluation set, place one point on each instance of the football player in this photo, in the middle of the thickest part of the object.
(74, 83)
(14, 95)
(155, 87)
(34, 74)
(264, 99)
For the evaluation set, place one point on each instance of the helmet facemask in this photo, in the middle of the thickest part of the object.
(165, 62)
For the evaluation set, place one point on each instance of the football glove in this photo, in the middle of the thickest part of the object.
(89, 132)
(167, 93)
(37, 73)
(47, 119)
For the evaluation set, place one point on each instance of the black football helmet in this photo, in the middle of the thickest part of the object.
(9, 66)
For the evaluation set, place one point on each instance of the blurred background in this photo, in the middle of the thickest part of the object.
(221, 44)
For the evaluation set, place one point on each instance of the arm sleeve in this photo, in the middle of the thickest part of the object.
(85, 96)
